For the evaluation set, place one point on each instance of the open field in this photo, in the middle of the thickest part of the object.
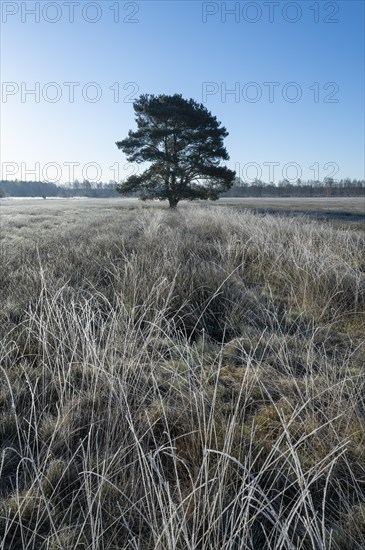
(186, 380)
(349, 205)
(345, 209)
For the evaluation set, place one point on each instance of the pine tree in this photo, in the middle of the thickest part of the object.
(183, 142)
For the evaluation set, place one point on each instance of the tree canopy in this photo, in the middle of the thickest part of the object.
(183, 142)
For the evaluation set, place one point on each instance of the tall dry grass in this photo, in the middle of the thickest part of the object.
(187, 380)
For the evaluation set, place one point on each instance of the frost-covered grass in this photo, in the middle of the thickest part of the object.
(184, 380)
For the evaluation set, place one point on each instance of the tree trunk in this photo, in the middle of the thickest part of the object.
(173, 202)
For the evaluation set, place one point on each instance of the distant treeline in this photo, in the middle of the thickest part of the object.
(310, 188)
(258, 188)
(45, 189)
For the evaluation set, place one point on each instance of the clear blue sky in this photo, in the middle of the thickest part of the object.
(196, 49)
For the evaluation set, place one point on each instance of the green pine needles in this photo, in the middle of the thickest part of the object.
(183, 142)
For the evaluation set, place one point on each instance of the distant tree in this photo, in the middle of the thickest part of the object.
(183, 142)
(238, 182)
(259, 183)
(328, 182)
